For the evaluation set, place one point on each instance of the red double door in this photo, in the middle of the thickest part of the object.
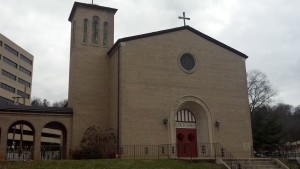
(186, 142)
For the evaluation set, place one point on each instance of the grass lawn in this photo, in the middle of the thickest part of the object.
(107, 164)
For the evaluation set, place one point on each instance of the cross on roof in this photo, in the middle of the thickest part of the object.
(184, 18)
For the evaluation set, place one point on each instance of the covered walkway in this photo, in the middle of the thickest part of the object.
(28, 132)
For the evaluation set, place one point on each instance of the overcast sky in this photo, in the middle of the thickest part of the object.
(268, 31)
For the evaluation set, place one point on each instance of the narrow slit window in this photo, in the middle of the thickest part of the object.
(85, 30)
(73, 33)
(105, 33)
(95, 38)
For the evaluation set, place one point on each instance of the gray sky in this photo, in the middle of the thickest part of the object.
(268, 31)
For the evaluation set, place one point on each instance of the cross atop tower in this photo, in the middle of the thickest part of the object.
(184, 18)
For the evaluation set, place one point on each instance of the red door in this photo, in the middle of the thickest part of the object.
(186, 142)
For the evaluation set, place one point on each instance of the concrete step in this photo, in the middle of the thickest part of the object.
(275, 166)
(253, 164)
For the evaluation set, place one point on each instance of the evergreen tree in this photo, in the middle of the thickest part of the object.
(266, 128)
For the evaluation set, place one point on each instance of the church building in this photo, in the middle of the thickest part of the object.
(164, 89)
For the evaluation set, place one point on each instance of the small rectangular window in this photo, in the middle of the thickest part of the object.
(11, 63)
(11, 50)
(8, 88)
(0, 43)
(25, 59)
(105, 33)
(85, 30)
(23, 94)
(23, 82)
(95, 30)
(24, 70)
(73, 33)
(6, 101)
(9, 75)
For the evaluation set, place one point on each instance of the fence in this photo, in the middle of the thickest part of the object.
(200, 150)
(26, 153)
(184, 151)
(285, 153)
(51, 152)
(19, 153)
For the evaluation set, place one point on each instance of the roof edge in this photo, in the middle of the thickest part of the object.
(35, 109)
(91, 6)
(174, 30)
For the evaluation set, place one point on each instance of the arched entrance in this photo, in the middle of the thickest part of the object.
(191, 117)
(186, 134)
(20, 141)
(53, 141)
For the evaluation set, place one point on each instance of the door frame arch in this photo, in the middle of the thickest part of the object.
(204, 112)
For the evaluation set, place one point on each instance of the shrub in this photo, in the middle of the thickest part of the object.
(96, 144)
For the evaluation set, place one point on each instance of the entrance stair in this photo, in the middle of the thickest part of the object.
(266, 163)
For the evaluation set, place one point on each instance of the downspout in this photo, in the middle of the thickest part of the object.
(118, 93)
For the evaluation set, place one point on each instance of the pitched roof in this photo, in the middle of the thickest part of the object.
(174, 30)
(90, 6)
(34, 109)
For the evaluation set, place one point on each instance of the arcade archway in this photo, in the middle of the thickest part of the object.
(53, 141)
(20, 141)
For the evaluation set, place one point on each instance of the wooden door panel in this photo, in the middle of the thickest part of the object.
(186, 142)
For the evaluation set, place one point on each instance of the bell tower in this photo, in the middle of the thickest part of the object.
(92, 35)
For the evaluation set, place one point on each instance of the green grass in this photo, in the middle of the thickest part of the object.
(107, 164)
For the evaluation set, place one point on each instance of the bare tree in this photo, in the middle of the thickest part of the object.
(297, 111)
(46, 103)
(260, 91)
(36, 101)
(61, 103)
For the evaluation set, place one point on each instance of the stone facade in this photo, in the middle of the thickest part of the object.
(153, 87)
(137, 85)
(140, 83)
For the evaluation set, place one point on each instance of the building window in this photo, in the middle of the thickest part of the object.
(0, 43)
(11, 50)
(24, 70)
(85, 30)
(5, 101)
(23, 82)
(8, 88)
(95, 38)
(73, 33)
(11, 63)
(187, 62)
(9, 75)
(23, 94)
(185, 116)
(105, 33)
(25, 59)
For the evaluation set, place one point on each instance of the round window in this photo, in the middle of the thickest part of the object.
(187, 62)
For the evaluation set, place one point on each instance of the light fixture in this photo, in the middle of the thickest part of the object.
(165, 121)
(218, 123)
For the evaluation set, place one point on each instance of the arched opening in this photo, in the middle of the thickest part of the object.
(192, 118)
(85, 30)
(20, 141)
(53, 141)
(105, 34)
(95, 30)
(186, 134)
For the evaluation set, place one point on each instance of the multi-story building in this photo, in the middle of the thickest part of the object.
(16, 66)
